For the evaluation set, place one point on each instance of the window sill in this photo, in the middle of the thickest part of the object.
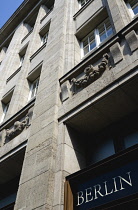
(13, 74)
(37, 52)
(46, 15)
(82, 8)
(27, 35)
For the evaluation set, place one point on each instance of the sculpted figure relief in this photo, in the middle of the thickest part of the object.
(17, 128)
(91, 73)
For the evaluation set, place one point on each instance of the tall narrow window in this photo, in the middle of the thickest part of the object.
(132, 6)
(21, 60)
(5, 109)
(33, 88)
(44, 38)
(96, 37)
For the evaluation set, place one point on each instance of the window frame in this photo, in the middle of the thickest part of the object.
(33, 88)
(21, 60)
(44, 38)
(131, 9)
(80, 3)
(5, 110)
(96, 33)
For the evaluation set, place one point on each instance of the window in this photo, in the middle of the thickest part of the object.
(102, 148)
(22, 53)
(131, 139)
(132, 6)
(5, 109)
(9, 184)
(21, 60)
(44, 38)
(96, 37)
(33, 88)
(82, 2)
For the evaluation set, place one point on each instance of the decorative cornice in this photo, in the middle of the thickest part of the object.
(16, 18)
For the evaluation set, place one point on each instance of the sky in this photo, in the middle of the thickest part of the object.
(7, 8)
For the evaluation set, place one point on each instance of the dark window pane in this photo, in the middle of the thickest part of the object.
(131, 140)
(109, 31)
(135, 10)
(102, 149)
(92, 45)
(103, 37)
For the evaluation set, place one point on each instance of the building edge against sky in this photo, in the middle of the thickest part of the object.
(69, 105)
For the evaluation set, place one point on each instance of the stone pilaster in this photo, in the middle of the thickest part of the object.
(118, 12)
(38, 175)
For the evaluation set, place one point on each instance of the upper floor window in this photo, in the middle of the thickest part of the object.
(5, 109)
(96, 37)
(33, 88)
(21, 60)
(44, 38)
(132, 6)
(82, 2)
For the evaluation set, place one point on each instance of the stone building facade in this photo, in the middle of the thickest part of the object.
(69, 96)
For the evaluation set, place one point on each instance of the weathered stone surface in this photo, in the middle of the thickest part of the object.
(132, 39)
(33, 193)
(116, 53)
(60, 125)
(65, 91)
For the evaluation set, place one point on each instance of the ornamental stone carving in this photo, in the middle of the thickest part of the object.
(91, 74)
(18, 127)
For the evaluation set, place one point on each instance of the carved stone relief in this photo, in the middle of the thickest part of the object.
(18, 127)
(91, 74)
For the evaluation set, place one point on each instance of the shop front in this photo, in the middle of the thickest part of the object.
(108, 184)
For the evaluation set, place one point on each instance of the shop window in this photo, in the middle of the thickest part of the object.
(131, 139)
(91, 146)
(102, 148)
(5, 109)
(132, 6)
(96, 37)
(33, 88)
(44, 38)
